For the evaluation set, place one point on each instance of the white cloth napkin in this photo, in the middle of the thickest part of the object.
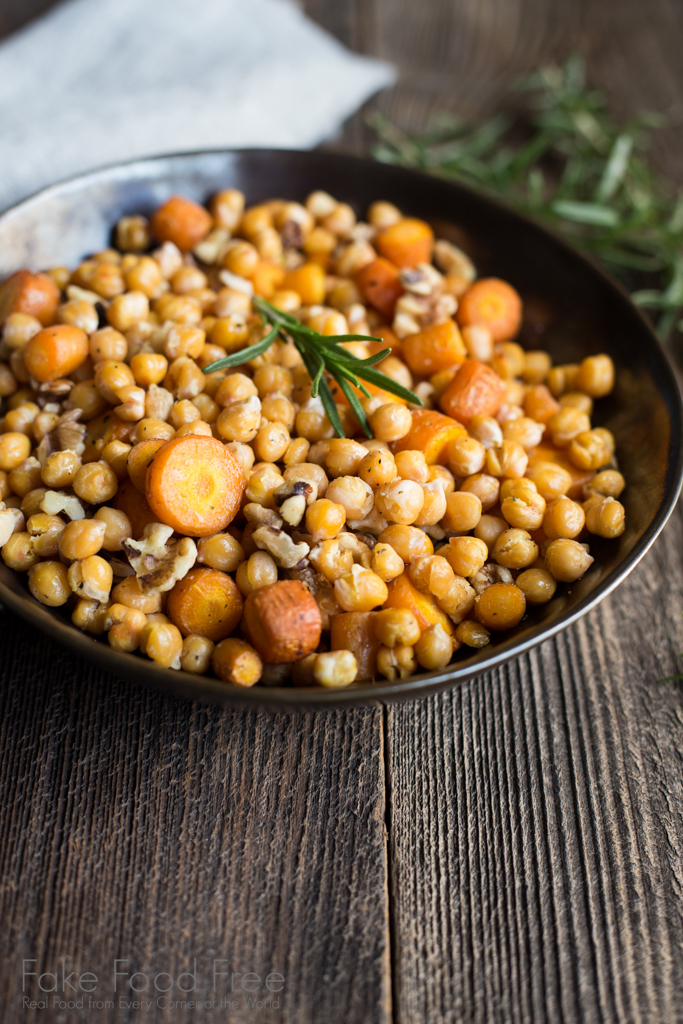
(98, 81)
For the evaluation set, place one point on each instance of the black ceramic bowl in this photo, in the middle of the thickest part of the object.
(573, 310)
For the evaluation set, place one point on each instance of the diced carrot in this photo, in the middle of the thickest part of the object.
(235, 661)
(434, 348)
(266, 278)
(140, 459)
(476, 390)
(56, 352)
(309, 281)
(431, 433)
(206, 602)
(407, 242)
(352, 631)
(195, 485)
(283, 621)
(34, 294)
(491, 303)
(547, 452)
(129, 500)
(379, 283)
(181, 221)
(403, 594)
(540, 404)
(390, 339)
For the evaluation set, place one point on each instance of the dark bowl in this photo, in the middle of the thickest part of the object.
(572, 310)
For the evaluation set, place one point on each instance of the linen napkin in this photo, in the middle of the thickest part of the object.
(99, 81)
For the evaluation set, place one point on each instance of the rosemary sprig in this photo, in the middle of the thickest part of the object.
(323, 356)
(567, 163)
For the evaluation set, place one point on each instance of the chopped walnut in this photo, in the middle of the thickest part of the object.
(69, 433)
(304, 487)
(259, 515)
(320, 587)
(240, 284)
(421, 280)
(280, 545)
(212, 248)
(158, 402)
(159, 564)
(452, 260)
(76, 294)
(169, 258)
(489, 574)
(293, 509)
(55, 502)
(57, 388)
(11, 521)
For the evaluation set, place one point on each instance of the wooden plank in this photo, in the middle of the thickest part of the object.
(136, 826)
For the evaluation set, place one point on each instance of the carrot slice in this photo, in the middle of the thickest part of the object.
(379, 283)
(492, 303)
(56, 352)
(309, 281)
(206, 602)
(476, 390)
(434, 348)
(195, 485)
(34, 294)
(181, 221)
(407, 242)
(283, 621)
(403, 594)
(353, 631)
(431, 433)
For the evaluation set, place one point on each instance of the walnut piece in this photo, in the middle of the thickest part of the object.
(259, 515)
(452, 260)
(55, 502)
(280, 545)
(11, 521)
(159, 564)
(69, 434)
(489, 574)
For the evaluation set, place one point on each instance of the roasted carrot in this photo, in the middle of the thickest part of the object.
(235, 661)
(266, 278)
(181, 221)
(195, 485)
(403, 594)
(129, 500)
(309, 281)
(494, 304)
(34, 294)
(476, 390)
(431, 433)
(379, 283)
(283, 621)
(540, 404)
(206, 602)
(56, 352)
(434, 348)
(352, 631)
(140, 458)
(407, 242)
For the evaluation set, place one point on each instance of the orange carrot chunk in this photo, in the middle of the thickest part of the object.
(353, 631)
(283, 621)
(206, 602)
(309, 281)
(407, 242)
(476, 390)
(494, 304)
(34, 294)
(431, 433)
(56, 352)
(379, 283)
(266, 278)
(195, 485)
(434, 348)
(403, 594)
(181, 221)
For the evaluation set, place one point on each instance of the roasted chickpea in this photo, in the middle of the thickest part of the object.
(485, 487)
(563, 518)
(610, 483)
(19, 553)
(25, 477)
(537, 585)
(500, 606)
(82, 538)
(271, 442)
(463, 512)
(391, 422)
(128, 593)
(355, 496)
(344, 457)
(595, 376)
(522, 506)
(196, 654)
(127, 310)
(408, 542)
(472, 634)
(148, 368)
(466, 555)
(514, 549)
(325, 519)
(400, 501)
(590, 450)
(550, 479)
(489, 529)
(221, 551)
(606, 518)
(360, 590)
(259, 570)
(566, 424)
(48, 583)
(434, 649)
(396, 627)
(466, 456)
(14, 448)
(96, 482)
(396, 662)
(118, 527)
(567, 560)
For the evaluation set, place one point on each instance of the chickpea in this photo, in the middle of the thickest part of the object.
(126, 629)
(563, 518)
(515, 549)
(500, 606)
(262, 484)
(43, 424)
(48, 583)
(4, 485)
(396, 662)
(486, 430)
(463, 512)
(595, 376)
(400, 501)
(132, 234)
(489, 529)
(91, 578)
(325, 519)
(21, 418)
(355, 496)
(184, 340)
(386, 562)
(30, 503)
(82, 538)
(221, 551)
(537, 585)
(118, 527)
(271, 442)
(344, 457)
(610, 483)
(485, 487)
(472, 634)
(183, 412)
(19, 329)
(435, 504)
(244, 455)
(86, 397)
(208, 409)
(196, 654)
(579, 400)
(562, 379)
(14, 448)
(510, 460)
(148, 368)
(163, 643)
(590, 450)
(566, 424)
(145, 276)
(396, 627)
(96, 482)
(391, 421)
(408, 542)
(435, 648)
(466, 555)
(312, 421)
(184, 378)
(332, 560)
(127, 310)
(550, 479)
(466, 456)
(606, 518)
(8, 382)
(18, 553)
(509, 359)
(25, 477)
(567, 560)
(523, 507)
(236, 387)
(278, 409)
(335, 669)
(149, 427)
(110, 376)
(80, 313)
(360, 590)
(259, 570)
(128, 593)
(412, 465)
(227, 207)
(240, 421)
(524, 431)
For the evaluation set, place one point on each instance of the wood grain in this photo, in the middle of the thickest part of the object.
(141, 827)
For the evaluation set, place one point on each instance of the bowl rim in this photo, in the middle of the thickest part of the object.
(293, 699)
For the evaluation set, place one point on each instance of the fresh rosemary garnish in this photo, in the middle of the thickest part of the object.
(566, 162)
(322, 355)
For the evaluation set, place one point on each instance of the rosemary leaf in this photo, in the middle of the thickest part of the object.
(244, 355)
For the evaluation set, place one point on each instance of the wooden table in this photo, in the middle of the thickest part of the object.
(510, 851)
